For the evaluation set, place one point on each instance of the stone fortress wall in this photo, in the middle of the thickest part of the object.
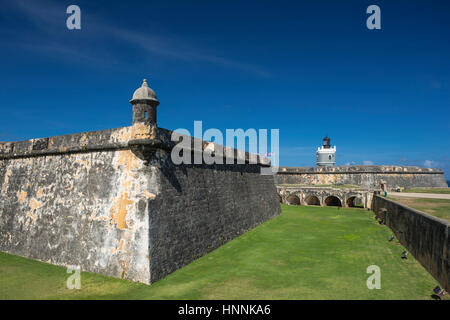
(425, 236)
(368, 177)
(78, 200)
(112, 201)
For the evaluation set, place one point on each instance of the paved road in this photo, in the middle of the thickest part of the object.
(420, 195)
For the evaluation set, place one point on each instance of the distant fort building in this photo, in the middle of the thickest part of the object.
(369, 177)
(325, 155)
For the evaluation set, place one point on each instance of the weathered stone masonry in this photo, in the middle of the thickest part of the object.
(112, 202)
(368, 177)
(70, 202)
(324, 196)
(425, 236)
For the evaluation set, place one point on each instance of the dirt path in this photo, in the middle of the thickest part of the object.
(420, 195)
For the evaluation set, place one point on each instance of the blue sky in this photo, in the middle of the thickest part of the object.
(308, 68)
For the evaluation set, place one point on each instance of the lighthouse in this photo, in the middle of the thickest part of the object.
(325, 154)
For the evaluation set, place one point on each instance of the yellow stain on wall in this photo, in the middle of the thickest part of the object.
(121, 135)
(123, 264)
(83, 162)
(140, 131)
(119, 249)
(149, 195)
(118, 211)
(32, 215)
(21, 196)
(137, 131)
(128, 159)
(122, 241)
(6, 181)
(34, 204)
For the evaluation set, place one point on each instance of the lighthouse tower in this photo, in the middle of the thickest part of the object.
(325, 154)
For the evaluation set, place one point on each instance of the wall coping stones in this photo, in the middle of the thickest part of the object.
(115, 139)
(359, 169)
(425, 236)
(421, 213)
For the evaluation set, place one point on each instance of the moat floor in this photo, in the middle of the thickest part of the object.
(306, 253)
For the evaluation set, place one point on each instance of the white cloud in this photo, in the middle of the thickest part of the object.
(367, 163)
(429, 163)
(47, 18)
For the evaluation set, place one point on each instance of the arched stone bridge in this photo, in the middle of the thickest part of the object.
(324, 196)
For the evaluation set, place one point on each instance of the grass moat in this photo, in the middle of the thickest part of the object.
(305, 253)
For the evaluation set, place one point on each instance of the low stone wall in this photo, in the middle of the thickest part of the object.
(424, 236)
(368, 177)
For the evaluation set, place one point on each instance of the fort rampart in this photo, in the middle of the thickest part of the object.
(113, 202)
(425, 236)
(368, 177)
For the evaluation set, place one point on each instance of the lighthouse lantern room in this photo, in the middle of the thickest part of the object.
(325, 154)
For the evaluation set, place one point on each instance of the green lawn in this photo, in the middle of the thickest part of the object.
(436, 207)
(428, 190)
(306, 253)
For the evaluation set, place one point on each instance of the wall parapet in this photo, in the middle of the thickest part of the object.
(117, 139)
(359, 169)
(64, 144)
(368, 177)
(425, 236)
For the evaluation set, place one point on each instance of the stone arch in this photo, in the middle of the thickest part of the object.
(333, 201)
(293, 199)
(355, 200)
(351, 201)
(312, 200)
